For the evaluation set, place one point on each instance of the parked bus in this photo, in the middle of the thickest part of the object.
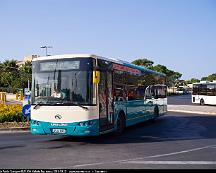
(204, 93)
(89, 95)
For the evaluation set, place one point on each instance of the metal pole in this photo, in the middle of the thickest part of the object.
(28, 84)
(46, 47)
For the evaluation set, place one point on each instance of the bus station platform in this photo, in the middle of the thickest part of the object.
(195, 109)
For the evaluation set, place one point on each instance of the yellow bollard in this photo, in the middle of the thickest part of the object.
(21, 96)
(17, 96)
(2, 96)
(5, 97)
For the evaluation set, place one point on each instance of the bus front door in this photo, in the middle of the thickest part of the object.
(106, 114)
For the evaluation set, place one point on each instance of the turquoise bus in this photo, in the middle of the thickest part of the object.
(89, 95)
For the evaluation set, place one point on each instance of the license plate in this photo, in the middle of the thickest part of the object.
(59, 131)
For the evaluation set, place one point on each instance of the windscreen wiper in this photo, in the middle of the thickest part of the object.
(37, 105)
(81, 106)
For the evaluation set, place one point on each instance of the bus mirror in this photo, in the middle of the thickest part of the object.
(96, 77)
(144, 97)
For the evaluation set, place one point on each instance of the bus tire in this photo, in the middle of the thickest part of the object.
(120, 124)
(202, 102)
(156, 111)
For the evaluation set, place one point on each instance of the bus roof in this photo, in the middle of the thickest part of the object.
(118, 61)
(206, 82)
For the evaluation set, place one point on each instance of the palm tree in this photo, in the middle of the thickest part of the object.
(10, 65)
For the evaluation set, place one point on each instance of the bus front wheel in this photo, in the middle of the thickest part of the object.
(120, 124)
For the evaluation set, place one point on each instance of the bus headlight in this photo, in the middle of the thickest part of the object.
(87, 123)
(81, 124)
(36, 122)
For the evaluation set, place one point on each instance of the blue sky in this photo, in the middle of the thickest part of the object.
(180, 34)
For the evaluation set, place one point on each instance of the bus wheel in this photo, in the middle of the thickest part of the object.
(120, 124)
(156, 111)
(202, 102)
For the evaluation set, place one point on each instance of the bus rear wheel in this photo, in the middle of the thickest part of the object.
(156, 111)
(202, 102)
(120, 124)
(156, 114)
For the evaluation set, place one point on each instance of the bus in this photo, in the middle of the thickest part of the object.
(89, 95)
(204, 93)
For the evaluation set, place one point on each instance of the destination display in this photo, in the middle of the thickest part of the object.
(59, 65)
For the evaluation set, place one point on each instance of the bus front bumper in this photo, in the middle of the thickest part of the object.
(85, 128)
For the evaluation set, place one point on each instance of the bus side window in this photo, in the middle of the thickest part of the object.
(148, 94)
(119, 94)
(154, 92)
(131, 94)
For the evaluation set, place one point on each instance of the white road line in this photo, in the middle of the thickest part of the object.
(174, 162)
(90, 164)
(180, 152)
(139, 158)
(192, 112)
(177, 138)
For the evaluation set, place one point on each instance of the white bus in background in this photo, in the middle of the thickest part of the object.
(204, 93)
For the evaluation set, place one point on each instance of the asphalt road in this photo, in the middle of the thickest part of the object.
(172, 141)
(180, 100)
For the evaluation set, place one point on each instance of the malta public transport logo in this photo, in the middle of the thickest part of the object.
(58, 117)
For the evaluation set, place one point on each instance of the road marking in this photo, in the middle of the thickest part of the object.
(162, 139)
(90, 164)
(174, 162)
(180, 152)
(192, 112)
(139, 158)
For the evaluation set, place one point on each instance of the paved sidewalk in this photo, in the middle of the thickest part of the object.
(196, 109)
(11, 99)
(15, 129)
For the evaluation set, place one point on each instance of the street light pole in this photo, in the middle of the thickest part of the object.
(46, 47)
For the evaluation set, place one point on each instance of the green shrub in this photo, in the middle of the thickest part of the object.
(11, 113)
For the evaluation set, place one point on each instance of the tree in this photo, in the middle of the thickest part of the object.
(13, 77)
(211, 77)
(143, 62)
(25, 74)
(172, 76)
(10, 63)
(204, 78)
(9, 73)
(194, 80)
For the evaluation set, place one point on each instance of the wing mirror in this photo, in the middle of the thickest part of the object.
(96, 77)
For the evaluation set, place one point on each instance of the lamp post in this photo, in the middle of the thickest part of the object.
(46, 47)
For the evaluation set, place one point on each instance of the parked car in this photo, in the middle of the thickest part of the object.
(181, 91)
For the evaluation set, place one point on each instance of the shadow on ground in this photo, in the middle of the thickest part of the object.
(173, 127)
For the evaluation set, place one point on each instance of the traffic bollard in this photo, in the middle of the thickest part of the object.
(17, 96)
(21, 96)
